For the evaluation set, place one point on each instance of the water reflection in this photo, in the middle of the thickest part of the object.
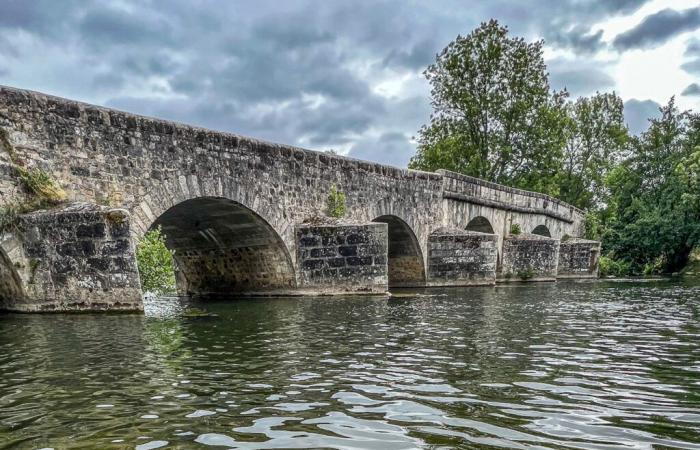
(568, 365)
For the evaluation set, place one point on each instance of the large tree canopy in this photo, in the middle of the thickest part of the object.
(494, 114)
(596, 138)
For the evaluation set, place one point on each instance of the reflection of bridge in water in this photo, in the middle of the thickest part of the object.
(237, 212)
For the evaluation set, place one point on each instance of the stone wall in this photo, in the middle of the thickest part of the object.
(578, 258)
(529, 257)
(79, 257)
(461, 258)
(335, 259)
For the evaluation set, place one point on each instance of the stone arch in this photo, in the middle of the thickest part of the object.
(542, 230)
(222, 247)
(170, 192)
(11, 291)
(480, 224)
(405, 262)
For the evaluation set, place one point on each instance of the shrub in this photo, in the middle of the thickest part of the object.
(42, 185)
(155, 263)
(9, 216)
(515, 229)
(610, 267)
(336, 203)
(566, 237)
(526, 274)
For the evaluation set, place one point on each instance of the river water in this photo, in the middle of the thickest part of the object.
(595, 365)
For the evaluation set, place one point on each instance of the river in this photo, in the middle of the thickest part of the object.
(594, 365)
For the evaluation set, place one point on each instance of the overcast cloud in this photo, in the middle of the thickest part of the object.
(319, 74)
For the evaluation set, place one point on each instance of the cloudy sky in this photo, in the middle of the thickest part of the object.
(343, 75)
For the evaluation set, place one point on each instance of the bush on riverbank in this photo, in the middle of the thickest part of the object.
(155, 263)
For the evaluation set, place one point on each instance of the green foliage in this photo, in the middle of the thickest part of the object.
(9, 216)
(42, 185)
(652, 218)
(43, 191)
(526, 274)
(609, 267)
(155, 263)
(565, 237)
(494, 116)
(596, 136)
(515, 229)
(336, 203)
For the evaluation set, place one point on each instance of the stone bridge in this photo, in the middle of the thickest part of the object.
(245, 216)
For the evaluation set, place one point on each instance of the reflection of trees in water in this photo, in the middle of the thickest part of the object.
(164, 339)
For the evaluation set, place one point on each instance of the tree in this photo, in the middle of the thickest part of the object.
(596, 139)
(155, 263)
(653, 214)
(494, 116)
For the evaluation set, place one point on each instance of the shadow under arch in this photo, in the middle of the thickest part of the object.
(480, 224)
(542, 230)
(405, 258)
(222, 247)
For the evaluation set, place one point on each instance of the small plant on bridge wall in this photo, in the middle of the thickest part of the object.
(336, 203)
(526, 274)
(155, 263)
(515, 229)
(42, 189)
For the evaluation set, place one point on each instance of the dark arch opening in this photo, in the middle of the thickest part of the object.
(224, 248)
(542, 230)
(10, 284)
(480, 224)
(405, 260)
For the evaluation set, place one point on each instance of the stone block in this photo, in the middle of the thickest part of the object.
(461, 258)
(578, 258)
(66, 262)
(529, 257)
(342, 258)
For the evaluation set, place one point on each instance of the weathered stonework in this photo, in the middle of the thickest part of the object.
(336, 259)
(230, 204)
(461, 258)
(529, 257)
(578, 258)
(79, 257)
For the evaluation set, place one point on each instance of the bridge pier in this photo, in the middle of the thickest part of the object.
(578, 258)
(342, 258)
(461, 258)
(76, 258)
(529, 257)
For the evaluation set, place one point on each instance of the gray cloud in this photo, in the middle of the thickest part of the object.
(658, 28)
(579, 78)
(692, 90)
(391, 147)
(578, 38)
(302, 72)
(692, 55)
(638, 112)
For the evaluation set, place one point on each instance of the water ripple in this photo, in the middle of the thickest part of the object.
(566, 365)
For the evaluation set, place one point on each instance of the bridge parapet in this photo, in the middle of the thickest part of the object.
(481, 192)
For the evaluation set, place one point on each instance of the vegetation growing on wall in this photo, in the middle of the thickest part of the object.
(336, 203)
(41, 188)
(155, 263)
(506, 125)
(515, 229)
